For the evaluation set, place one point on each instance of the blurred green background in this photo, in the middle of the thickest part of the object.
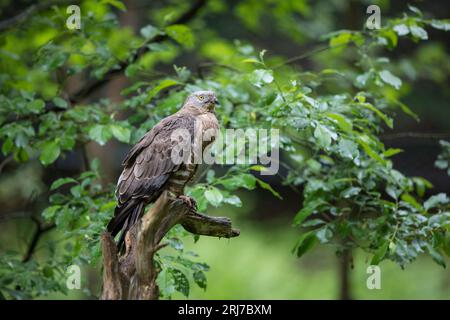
(260, 265)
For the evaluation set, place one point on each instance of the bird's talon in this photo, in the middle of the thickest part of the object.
(192, 204)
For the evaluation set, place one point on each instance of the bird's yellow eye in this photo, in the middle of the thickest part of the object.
(201, 98)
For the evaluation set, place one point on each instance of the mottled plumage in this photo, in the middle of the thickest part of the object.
(149, 168)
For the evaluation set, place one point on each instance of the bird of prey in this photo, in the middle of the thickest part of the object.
(150, 167)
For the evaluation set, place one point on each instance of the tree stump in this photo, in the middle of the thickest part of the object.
(132, 275)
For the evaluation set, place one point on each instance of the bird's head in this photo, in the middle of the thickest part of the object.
(203, 101)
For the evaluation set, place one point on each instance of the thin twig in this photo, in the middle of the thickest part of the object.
(5, 161)
(84, 155)
(31, 10)
(399, 135)
(307, 54)
(205, 65)
(36, 237)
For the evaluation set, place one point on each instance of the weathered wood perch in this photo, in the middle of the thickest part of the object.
(132, 275)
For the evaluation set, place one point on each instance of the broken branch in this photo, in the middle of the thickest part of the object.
(133, 274)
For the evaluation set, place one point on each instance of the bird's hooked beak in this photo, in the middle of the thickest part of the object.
(214, 102)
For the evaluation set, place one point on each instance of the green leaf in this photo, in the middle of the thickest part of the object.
(214, 196)
(233, 200)
(21, 155)
(267, 186)
(181, 34)
(380, 253)
(149, 32)
(132, 70)
(434, 201)
(401, 29)
(198, 193)
(76, 191)
(331, 72)
(120, 133)
(363, 79)
(340, 40)
(306, 243)
(446, 244)
(258, 168)
(50, 212)
(391, 152)
(161, 86)
(342, 121)
(108, 206)
(7, 146)
(115, 3)
(242, 180)
(181, 282)
(307, 210)
(370, 152)
(411, 200)
(47, 271)
(67, 141)
(441, 24)
(348, 149)
(380, 114)
(441, 164)
(36, 106)
(324, 234)
(60, 102)
(62, 181)
(390, 79)
(50, 152)
(405, 109)
(418, 32)
(437, 256)
(259, 77)
(166, 282)
(323, 136)
(415, 10)
(100, 133)
(200, 279)
(390, 36)
(350, 192)
(421, 185)
(252, 60)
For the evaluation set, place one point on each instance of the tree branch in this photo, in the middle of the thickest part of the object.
(11, 22)
(133, 274)
(36, 237)
(200, 224)
(5, 161)
(400, 135)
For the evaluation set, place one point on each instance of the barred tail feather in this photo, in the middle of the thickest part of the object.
(124, 219)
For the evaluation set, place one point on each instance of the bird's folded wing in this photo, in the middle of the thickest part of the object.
(149, 164)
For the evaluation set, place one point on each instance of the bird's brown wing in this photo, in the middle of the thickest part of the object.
(147, 168)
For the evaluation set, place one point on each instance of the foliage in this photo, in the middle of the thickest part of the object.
(443, 160)
(330, 119)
